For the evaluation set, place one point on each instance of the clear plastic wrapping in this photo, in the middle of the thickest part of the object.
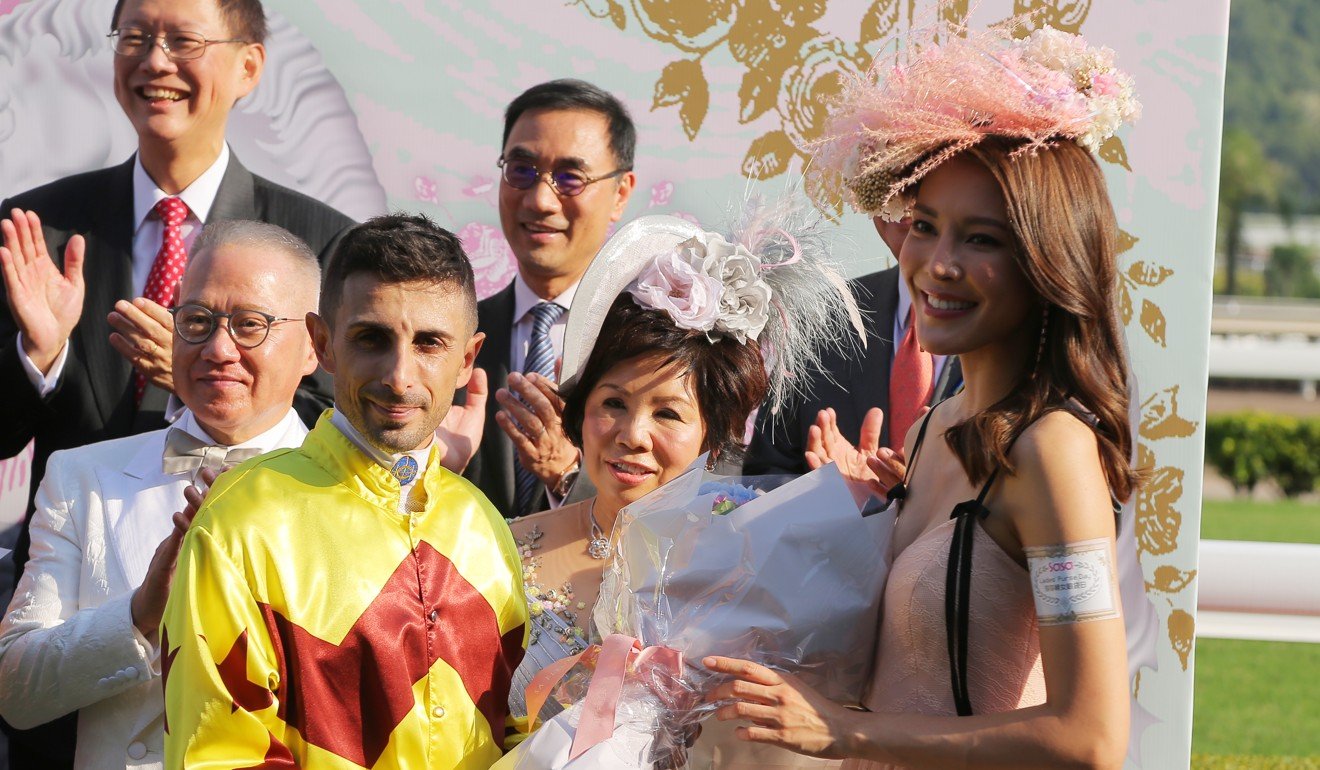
(783, 571)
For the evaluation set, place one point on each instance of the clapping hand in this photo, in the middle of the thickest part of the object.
(460, 432)
(869, 469)
(148, 603)
(45, 303)
(531, 414)
(144, 334)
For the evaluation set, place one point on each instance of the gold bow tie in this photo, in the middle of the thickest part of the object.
(186, 454)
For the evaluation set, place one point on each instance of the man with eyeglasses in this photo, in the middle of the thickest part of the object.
(81, 634)
(566, 176)
(111, 244)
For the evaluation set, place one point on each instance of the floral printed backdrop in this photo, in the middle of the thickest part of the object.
(397, 104)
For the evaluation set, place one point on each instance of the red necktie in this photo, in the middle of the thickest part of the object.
(168, 267)
(911, 382)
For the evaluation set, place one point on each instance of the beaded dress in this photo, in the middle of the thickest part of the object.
(562, 581)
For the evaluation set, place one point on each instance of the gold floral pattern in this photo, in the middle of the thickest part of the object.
(1158, 521)
(1160, 418)
(1182, 633)
(1066, 15)
(1139, 275)
(792, 69)
(1169, 579)
(694, 27)
(1113, 151)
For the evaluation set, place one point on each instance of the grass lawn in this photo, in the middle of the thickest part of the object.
(1256, 705)
(1284, 521)
(1209, 762)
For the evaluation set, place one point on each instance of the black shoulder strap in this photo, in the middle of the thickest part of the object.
(899, 490)
(957, 588)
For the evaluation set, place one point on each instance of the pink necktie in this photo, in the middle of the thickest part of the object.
(911, 382)
(168, 267)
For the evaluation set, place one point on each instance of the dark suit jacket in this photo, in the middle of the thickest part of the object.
(491, 469)
(94, 398)
(858, 384)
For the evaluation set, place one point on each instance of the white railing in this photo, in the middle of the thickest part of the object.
(1264, 591)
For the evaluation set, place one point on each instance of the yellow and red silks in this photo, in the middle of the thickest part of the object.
(312, 625)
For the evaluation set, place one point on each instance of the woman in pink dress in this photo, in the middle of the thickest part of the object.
(1002, 642)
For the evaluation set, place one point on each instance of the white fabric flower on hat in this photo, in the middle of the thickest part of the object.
(745, 302)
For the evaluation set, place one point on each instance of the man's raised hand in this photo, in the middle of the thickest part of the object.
(460, 432)
(147, 605)
(144, 334)
(45, 303)
(531, 415)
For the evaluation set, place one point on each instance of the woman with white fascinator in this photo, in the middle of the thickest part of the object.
(665, 358)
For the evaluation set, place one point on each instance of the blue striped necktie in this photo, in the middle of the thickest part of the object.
(540, 359)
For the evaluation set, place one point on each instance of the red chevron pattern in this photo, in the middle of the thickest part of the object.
(167, 657)
(278, 757)
(347, 698)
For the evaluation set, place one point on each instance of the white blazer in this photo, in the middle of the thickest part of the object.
(67, 641)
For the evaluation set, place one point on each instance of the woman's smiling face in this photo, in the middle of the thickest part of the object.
(642, 427)
(959, 260)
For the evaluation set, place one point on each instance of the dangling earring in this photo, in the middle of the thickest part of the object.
(1044, 334)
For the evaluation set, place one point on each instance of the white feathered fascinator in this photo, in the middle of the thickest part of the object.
(770, 282)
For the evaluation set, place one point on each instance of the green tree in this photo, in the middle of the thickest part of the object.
(1291, 273)
(1246, 178)
(1272, 89)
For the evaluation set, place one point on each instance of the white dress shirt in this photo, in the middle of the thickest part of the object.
(524, 299)
(148, 233)
(386, 460)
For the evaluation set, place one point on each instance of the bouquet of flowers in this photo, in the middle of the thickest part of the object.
(780, 570)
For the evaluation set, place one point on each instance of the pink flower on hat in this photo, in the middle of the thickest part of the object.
(672, 284)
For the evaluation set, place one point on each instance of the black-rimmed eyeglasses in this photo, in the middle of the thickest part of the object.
(180, 46)
(523, 175)
(247, 328)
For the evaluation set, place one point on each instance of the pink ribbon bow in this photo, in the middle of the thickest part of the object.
(615, 659)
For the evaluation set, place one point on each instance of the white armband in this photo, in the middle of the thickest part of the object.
(1073, 582)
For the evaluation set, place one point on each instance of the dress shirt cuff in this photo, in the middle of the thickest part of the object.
(42, 383)
(552, 497)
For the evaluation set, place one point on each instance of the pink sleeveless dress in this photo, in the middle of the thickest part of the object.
(912, 664)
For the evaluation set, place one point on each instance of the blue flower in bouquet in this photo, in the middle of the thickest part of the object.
(727, 496)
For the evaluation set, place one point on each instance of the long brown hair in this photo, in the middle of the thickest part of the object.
(1063, 221)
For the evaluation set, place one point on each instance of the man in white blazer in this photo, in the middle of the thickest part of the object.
(81, 631)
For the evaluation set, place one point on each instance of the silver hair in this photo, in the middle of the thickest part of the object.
(263, 235)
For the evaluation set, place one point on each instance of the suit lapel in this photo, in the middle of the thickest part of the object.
(949, 381)
(498, 325)
(110, 258)
(496, 451)
(872, 386)
(139, 499)
(236, 198)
